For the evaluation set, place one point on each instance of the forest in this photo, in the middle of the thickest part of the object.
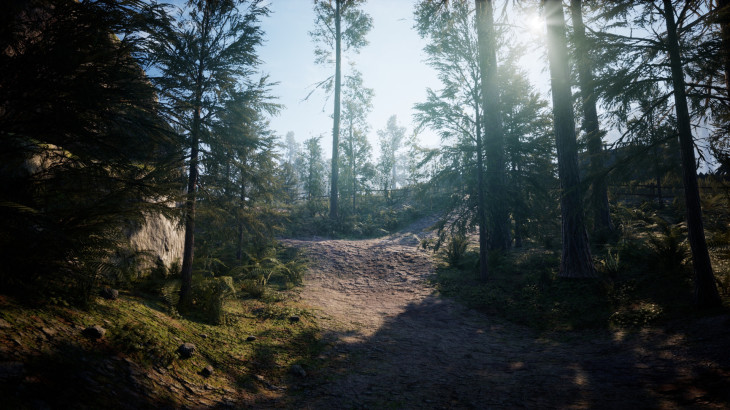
(546, 223)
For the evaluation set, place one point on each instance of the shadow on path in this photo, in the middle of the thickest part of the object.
(396, 345)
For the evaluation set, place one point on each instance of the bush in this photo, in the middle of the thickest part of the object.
(209, 296)
(456, 249)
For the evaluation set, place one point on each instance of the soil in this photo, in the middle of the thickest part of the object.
(394, 343)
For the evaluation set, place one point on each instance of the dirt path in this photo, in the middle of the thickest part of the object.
(395, 344)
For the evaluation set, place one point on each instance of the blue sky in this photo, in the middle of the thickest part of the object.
(392, 64)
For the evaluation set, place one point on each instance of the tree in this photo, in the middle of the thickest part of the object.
(356, 148)
(591, 126)
(499, 222)
(239, 177)
(529, 149)
(706, 294)
(203, 59)
(576, 261)
(85, 153)
(390, 142)
(313, 167)
(458, 109)
(328, 35)
(670, 55)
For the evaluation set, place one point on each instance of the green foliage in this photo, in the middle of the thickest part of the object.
(85, 151)
(284, 266)
(376, 216)
(209, 295)
(456, 249)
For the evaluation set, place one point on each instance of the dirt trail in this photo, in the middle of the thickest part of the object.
(395, 344)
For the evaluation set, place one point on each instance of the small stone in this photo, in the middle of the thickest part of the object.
(207, 371)
(186, 350)
(94, 332)
(109, 293)
(203, 335)
(298, 370)
(4, 324)
(48, 332)
(293, 319)
(251, 338)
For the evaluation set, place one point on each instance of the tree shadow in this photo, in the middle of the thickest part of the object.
(438, 354)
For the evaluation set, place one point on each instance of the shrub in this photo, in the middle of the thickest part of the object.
(210, 295)
(456, 249)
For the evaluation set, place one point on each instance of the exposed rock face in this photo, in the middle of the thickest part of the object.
(161, 237)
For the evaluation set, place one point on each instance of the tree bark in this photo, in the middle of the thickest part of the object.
(706, 294)
(336, 126)
(239, 246)
(352, 166)
(482, 217)
(724, 20)
(576, 261)
(499, 222)
(186, 274)
(599, 191)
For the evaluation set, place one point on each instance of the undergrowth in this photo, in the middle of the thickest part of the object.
(644, 276)
(139, 352)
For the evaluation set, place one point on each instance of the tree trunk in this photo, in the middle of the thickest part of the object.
(706, 294)
(499, 222)
(482, 217)
(186, 274)
(239, 247)
(352, 164)
(724, 20)
(518, 211)
(599, 191)
(576, 261)
(336, 127)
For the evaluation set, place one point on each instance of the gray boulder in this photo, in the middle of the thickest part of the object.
(186, 350)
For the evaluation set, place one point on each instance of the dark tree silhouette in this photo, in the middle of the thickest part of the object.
(576, 259)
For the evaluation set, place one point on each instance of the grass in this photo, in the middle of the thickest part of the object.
(138, 353)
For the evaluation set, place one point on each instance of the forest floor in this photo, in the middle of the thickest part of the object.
(392, 342)
(370, 331)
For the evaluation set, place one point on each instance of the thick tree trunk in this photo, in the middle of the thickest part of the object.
(576, 261)
(336, 127)
(706, 294)
(481, 201)
(499, 222)
(599, 191)
(186, 274)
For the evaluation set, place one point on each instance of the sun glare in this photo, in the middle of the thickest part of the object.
(534, 23)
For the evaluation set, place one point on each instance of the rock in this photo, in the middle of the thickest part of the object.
(293, 319)
(11, 370)
(298, 370)
(48, 332)
(4, 324)
(186, 350)
(94, 332)
(109, 293)
(251, 338)
(207, 371)
(203, 335)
